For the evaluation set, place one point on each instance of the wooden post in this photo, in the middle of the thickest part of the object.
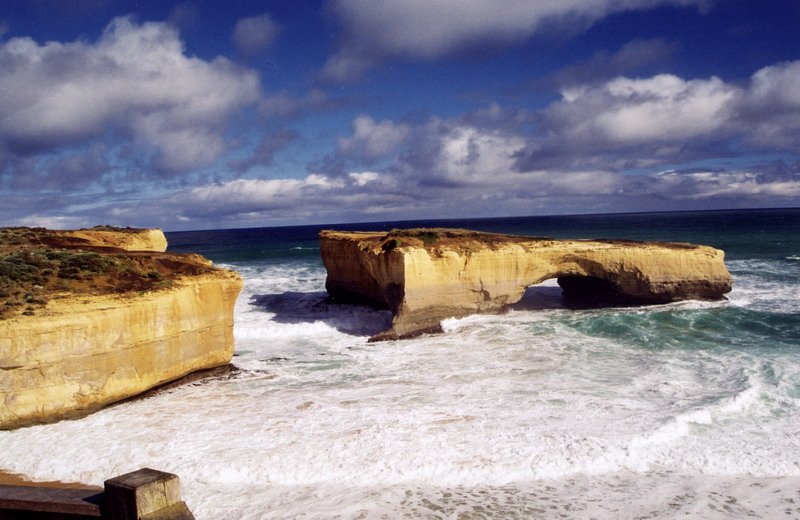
(145, 494)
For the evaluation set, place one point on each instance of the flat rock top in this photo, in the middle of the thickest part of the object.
(469, 240)
(38, 265)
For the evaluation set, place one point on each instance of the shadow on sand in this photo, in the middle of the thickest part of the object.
(311, 307)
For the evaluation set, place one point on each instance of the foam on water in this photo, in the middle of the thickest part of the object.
(542, 411)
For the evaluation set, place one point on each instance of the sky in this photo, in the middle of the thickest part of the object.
(210, 114)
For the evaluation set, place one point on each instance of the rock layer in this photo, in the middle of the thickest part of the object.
(424, 276)
(130, 239)
(82, 352)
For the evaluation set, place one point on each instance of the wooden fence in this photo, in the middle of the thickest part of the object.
(145, 494)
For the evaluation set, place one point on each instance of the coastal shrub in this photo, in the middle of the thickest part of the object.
(36, 264)
(391, 244)
(106, 227)
(23, 266)
(73, 265)
(428, 237)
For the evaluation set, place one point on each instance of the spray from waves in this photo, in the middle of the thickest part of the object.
(771, 286)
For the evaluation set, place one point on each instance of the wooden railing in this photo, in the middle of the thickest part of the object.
(143, 494)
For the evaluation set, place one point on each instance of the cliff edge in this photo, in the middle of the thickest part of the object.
(426, 275)
(91, 317)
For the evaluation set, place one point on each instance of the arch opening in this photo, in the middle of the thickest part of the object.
(572, 292)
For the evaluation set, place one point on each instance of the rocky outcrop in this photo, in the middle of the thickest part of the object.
(80, 351)
(424, 276)
(129, 239)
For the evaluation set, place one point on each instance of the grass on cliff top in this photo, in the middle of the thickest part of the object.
(462, 239)
(104, 227)
(33, 270)
(449, 237)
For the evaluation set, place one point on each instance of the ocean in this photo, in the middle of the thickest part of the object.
(689, 409)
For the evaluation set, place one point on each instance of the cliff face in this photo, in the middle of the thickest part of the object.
(424, 276)
(80, 351)
(127, 239)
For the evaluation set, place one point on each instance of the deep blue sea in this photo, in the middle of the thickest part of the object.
(682, 410)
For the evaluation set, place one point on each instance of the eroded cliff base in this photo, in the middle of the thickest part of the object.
(426, 275)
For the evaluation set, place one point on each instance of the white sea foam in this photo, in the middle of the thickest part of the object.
(501, 416)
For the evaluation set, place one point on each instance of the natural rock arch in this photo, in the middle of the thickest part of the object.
(426, 275)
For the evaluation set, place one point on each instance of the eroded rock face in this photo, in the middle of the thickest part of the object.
(80, 351)
(130, 239)
(424, 276)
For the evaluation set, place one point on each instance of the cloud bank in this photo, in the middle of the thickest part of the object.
(378, 30)
(586, 150)
(135, 82)
(84, 124)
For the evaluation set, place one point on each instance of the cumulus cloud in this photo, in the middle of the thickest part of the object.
(771, 107)
(243, 201)
(700, 185)
(373, 140)
(135, 81)
(379, 30)
(661, 108)
(457, 153)
(254, 34)
(643, 122)
(601, 146)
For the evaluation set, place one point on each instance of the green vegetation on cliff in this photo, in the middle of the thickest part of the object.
(37, 265)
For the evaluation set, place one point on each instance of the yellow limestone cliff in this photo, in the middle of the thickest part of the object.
(426, 275)
(80, 351)
(129, 239)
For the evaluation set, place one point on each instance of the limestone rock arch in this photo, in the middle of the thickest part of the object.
(426, 275)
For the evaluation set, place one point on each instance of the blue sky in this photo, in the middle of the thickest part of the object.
(201, 114)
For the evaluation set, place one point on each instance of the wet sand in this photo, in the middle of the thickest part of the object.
(15, 479)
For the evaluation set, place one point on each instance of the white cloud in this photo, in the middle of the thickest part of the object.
(254, 193)
(470, 154)
(661, 108)
(706, 185)
(373, 140)
(777, 85)
(380, 29)
(628, 123)
(771, 109)
(53, 221)
(254, 34)
(363, 178)
(135, 79)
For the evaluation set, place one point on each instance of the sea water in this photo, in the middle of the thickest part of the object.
(687, 409)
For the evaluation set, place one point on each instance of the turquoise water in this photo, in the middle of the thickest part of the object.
(686, 409)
